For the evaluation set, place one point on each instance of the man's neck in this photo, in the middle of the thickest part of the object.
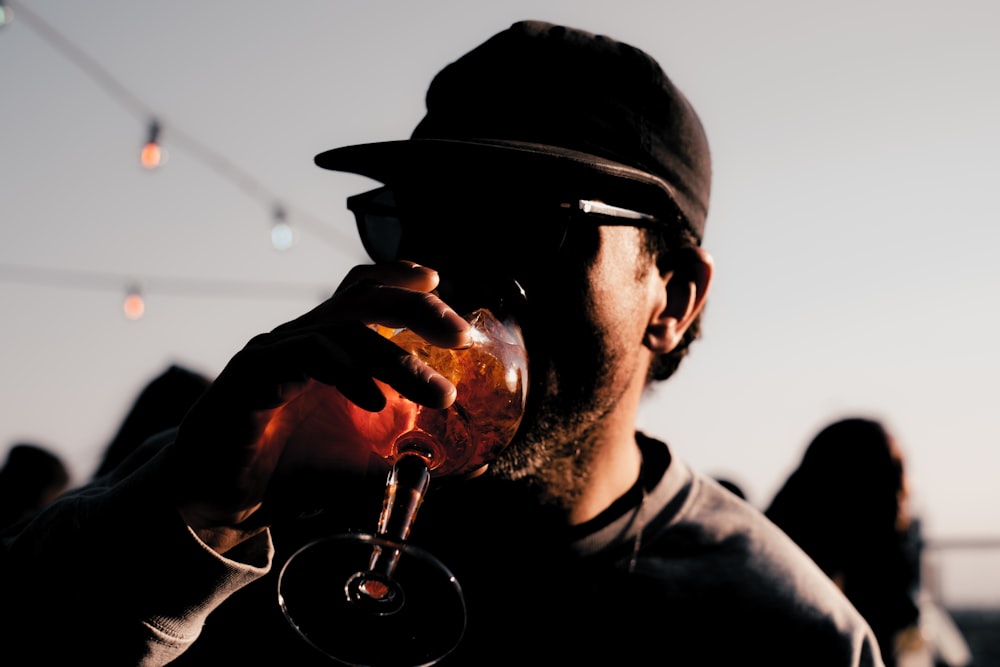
(614, 470)
(616, 459)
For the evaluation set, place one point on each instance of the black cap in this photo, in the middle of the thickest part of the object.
(541, 102)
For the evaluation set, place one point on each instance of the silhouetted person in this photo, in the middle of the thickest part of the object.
(32, 477)
(846, 506)
(160, 405)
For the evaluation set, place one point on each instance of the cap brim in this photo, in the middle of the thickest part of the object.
(504, 163)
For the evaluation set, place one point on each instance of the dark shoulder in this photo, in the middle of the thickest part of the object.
(712, 565)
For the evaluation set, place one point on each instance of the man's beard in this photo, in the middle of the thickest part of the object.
(553, 452)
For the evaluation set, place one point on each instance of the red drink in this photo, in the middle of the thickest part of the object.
(491, 378)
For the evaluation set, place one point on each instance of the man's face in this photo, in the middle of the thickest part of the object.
(585, 321)
(586, 310)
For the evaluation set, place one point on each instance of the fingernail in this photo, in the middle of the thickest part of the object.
(441, 384)
(459, 325)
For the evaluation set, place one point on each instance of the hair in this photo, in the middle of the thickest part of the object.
(160, 405)
(851, 476)
(32, 477)
(672, 247)
(842, 506)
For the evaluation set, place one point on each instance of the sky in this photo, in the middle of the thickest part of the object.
(854, 213)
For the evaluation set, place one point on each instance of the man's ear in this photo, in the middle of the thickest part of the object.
(680, 297)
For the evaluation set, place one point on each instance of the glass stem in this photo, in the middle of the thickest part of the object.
(404, 492)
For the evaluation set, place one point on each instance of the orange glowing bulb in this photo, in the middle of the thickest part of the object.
(151, 155)
(134, 306)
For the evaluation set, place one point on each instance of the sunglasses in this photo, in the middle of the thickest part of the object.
(422, 228)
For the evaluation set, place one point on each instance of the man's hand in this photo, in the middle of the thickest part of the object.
(271, 414)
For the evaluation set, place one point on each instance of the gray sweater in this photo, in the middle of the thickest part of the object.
(678, 572)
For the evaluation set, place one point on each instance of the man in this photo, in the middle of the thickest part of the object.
(566, 162)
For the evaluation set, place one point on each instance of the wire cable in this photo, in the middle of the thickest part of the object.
(171, 285)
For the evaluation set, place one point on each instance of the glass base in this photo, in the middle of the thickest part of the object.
(414, 617)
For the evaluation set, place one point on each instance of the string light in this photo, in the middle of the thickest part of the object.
(152, 155)
(134, 306)
(282, 235)
(338, 238)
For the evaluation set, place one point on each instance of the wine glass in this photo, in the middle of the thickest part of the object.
(374, 599)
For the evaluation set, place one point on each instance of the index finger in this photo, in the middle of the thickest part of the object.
(402, 273)
(394, 295)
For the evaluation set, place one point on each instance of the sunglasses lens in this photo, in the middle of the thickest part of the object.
(456, 231)
(382, 236)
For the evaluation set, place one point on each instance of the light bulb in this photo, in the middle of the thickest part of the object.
(152, 155)
(133, 306)
(282, 235)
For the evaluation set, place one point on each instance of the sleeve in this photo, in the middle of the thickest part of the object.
(111, 573)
